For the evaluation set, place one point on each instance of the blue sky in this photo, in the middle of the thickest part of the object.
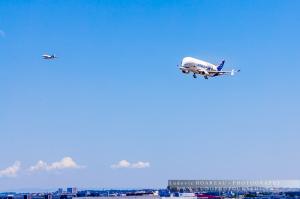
(115, 92)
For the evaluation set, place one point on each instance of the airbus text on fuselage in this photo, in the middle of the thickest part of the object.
(200, 67)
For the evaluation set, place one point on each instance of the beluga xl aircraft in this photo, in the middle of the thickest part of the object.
(47, 56)
(200, 67)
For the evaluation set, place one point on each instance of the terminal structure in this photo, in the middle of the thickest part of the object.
(232, 185)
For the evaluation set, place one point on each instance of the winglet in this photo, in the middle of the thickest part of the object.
(234, 71)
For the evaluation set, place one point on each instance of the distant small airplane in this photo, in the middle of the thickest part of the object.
(200, 67)
(46, 56)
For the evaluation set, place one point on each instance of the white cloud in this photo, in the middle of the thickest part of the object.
(2, 33)
(121, 164)
(140, 165)
(65, 163)
(126, 164)
(11, 171)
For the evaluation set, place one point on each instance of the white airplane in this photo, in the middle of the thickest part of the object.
(200, 67)
(46, 56)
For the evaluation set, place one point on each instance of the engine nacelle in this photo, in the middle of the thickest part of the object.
(185, 71)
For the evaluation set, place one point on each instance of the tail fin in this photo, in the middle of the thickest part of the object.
(221, 65)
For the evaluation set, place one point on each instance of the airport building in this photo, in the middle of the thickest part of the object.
(232, 185)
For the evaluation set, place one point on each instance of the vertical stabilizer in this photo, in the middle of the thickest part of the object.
(221, 65)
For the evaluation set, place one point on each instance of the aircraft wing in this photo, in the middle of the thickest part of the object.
(218, 72)
(232, 72)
